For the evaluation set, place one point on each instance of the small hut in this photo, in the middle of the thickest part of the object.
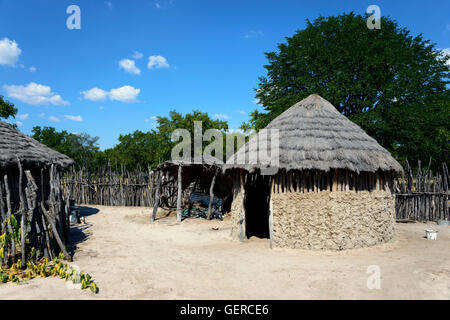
(31, 201)
(333, 187)
(178, 179)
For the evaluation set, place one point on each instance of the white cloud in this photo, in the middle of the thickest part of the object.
(19, 123)
(221, 116)
(126, 94)
(129, 66)
(23, 117)
(157, 62)
(256, 101)
(73, 118)
(53, 119)
(137, 55)
(153, 118)
(9, 52)
(101, 107)
(41, 115)
(253, 34)
(95, 94)
(446, 51)
(32, 69)
(34, 93)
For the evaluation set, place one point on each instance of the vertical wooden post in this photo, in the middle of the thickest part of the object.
(271, 221)
(8, 215)
(180, 192)
(211, 194)
(23, 211)
(335, 180)
(156, 204)
(242, 216)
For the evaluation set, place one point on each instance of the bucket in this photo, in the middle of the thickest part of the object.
(431, 234)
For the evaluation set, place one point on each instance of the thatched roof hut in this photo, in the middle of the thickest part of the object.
(315, 136)
(331, 187)
(14, 144)
(30, 190)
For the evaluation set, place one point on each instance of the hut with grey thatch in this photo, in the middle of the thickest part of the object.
(332, 186)
(31, 202)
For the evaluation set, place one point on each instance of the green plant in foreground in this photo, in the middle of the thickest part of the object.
(44, 268)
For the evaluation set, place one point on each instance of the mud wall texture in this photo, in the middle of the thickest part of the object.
(237, 210)
(332, 220)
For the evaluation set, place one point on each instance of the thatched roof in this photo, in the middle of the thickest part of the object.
(196, 161)
(314, 135)
(14, 144)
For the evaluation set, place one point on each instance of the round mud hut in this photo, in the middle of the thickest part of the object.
(31, 200)
(332, 187)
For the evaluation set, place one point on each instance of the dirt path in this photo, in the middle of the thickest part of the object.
(133, 259)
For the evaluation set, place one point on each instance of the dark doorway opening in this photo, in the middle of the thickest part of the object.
(257, 205)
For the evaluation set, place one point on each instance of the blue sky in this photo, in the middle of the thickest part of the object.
(145, 58)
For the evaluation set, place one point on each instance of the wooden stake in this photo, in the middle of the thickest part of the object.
(180, 192)
(156, 204)
(211, 194)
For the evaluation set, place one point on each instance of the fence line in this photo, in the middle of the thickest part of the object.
(423, 197)
(111, 188)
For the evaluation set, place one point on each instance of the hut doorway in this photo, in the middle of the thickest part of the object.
(257, 205)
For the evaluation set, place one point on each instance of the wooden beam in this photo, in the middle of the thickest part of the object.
(242, 212)
(335, 180)
(271, 221)
(211, 194)
(180, 193)
(156, 204)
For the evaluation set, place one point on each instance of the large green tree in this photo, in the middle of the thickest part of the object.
(390, 83)
(7, 109)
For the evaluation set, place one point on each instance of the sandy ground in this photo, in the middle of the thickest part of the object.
(130, 258)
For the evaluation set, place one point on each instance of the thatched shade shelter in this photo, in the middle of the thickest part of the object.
(30, 192)
(332, 190)
(202, 173)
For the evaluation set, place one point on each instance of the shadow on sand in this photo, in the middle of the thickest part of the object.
(80, 232)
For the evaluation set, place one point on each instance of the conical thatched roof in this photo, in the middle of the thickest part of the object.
(314, 135)
(14, 144)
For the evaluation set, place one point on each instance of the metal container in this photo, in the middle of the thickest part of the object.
(431, 234)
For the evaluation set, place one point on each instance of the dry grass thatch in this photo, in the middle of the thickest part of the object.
(204, 160)
(14, 144)
(314, 135)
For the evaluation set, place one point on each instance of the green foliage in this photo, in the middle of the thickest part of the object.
(43, 268)
(82, 148)
(153, 147)
(7, 109)
(390, 83)
(137, 148)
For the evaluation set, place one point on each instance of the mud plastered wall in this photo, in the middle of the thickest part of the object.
(237, 209)
(332, 220)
